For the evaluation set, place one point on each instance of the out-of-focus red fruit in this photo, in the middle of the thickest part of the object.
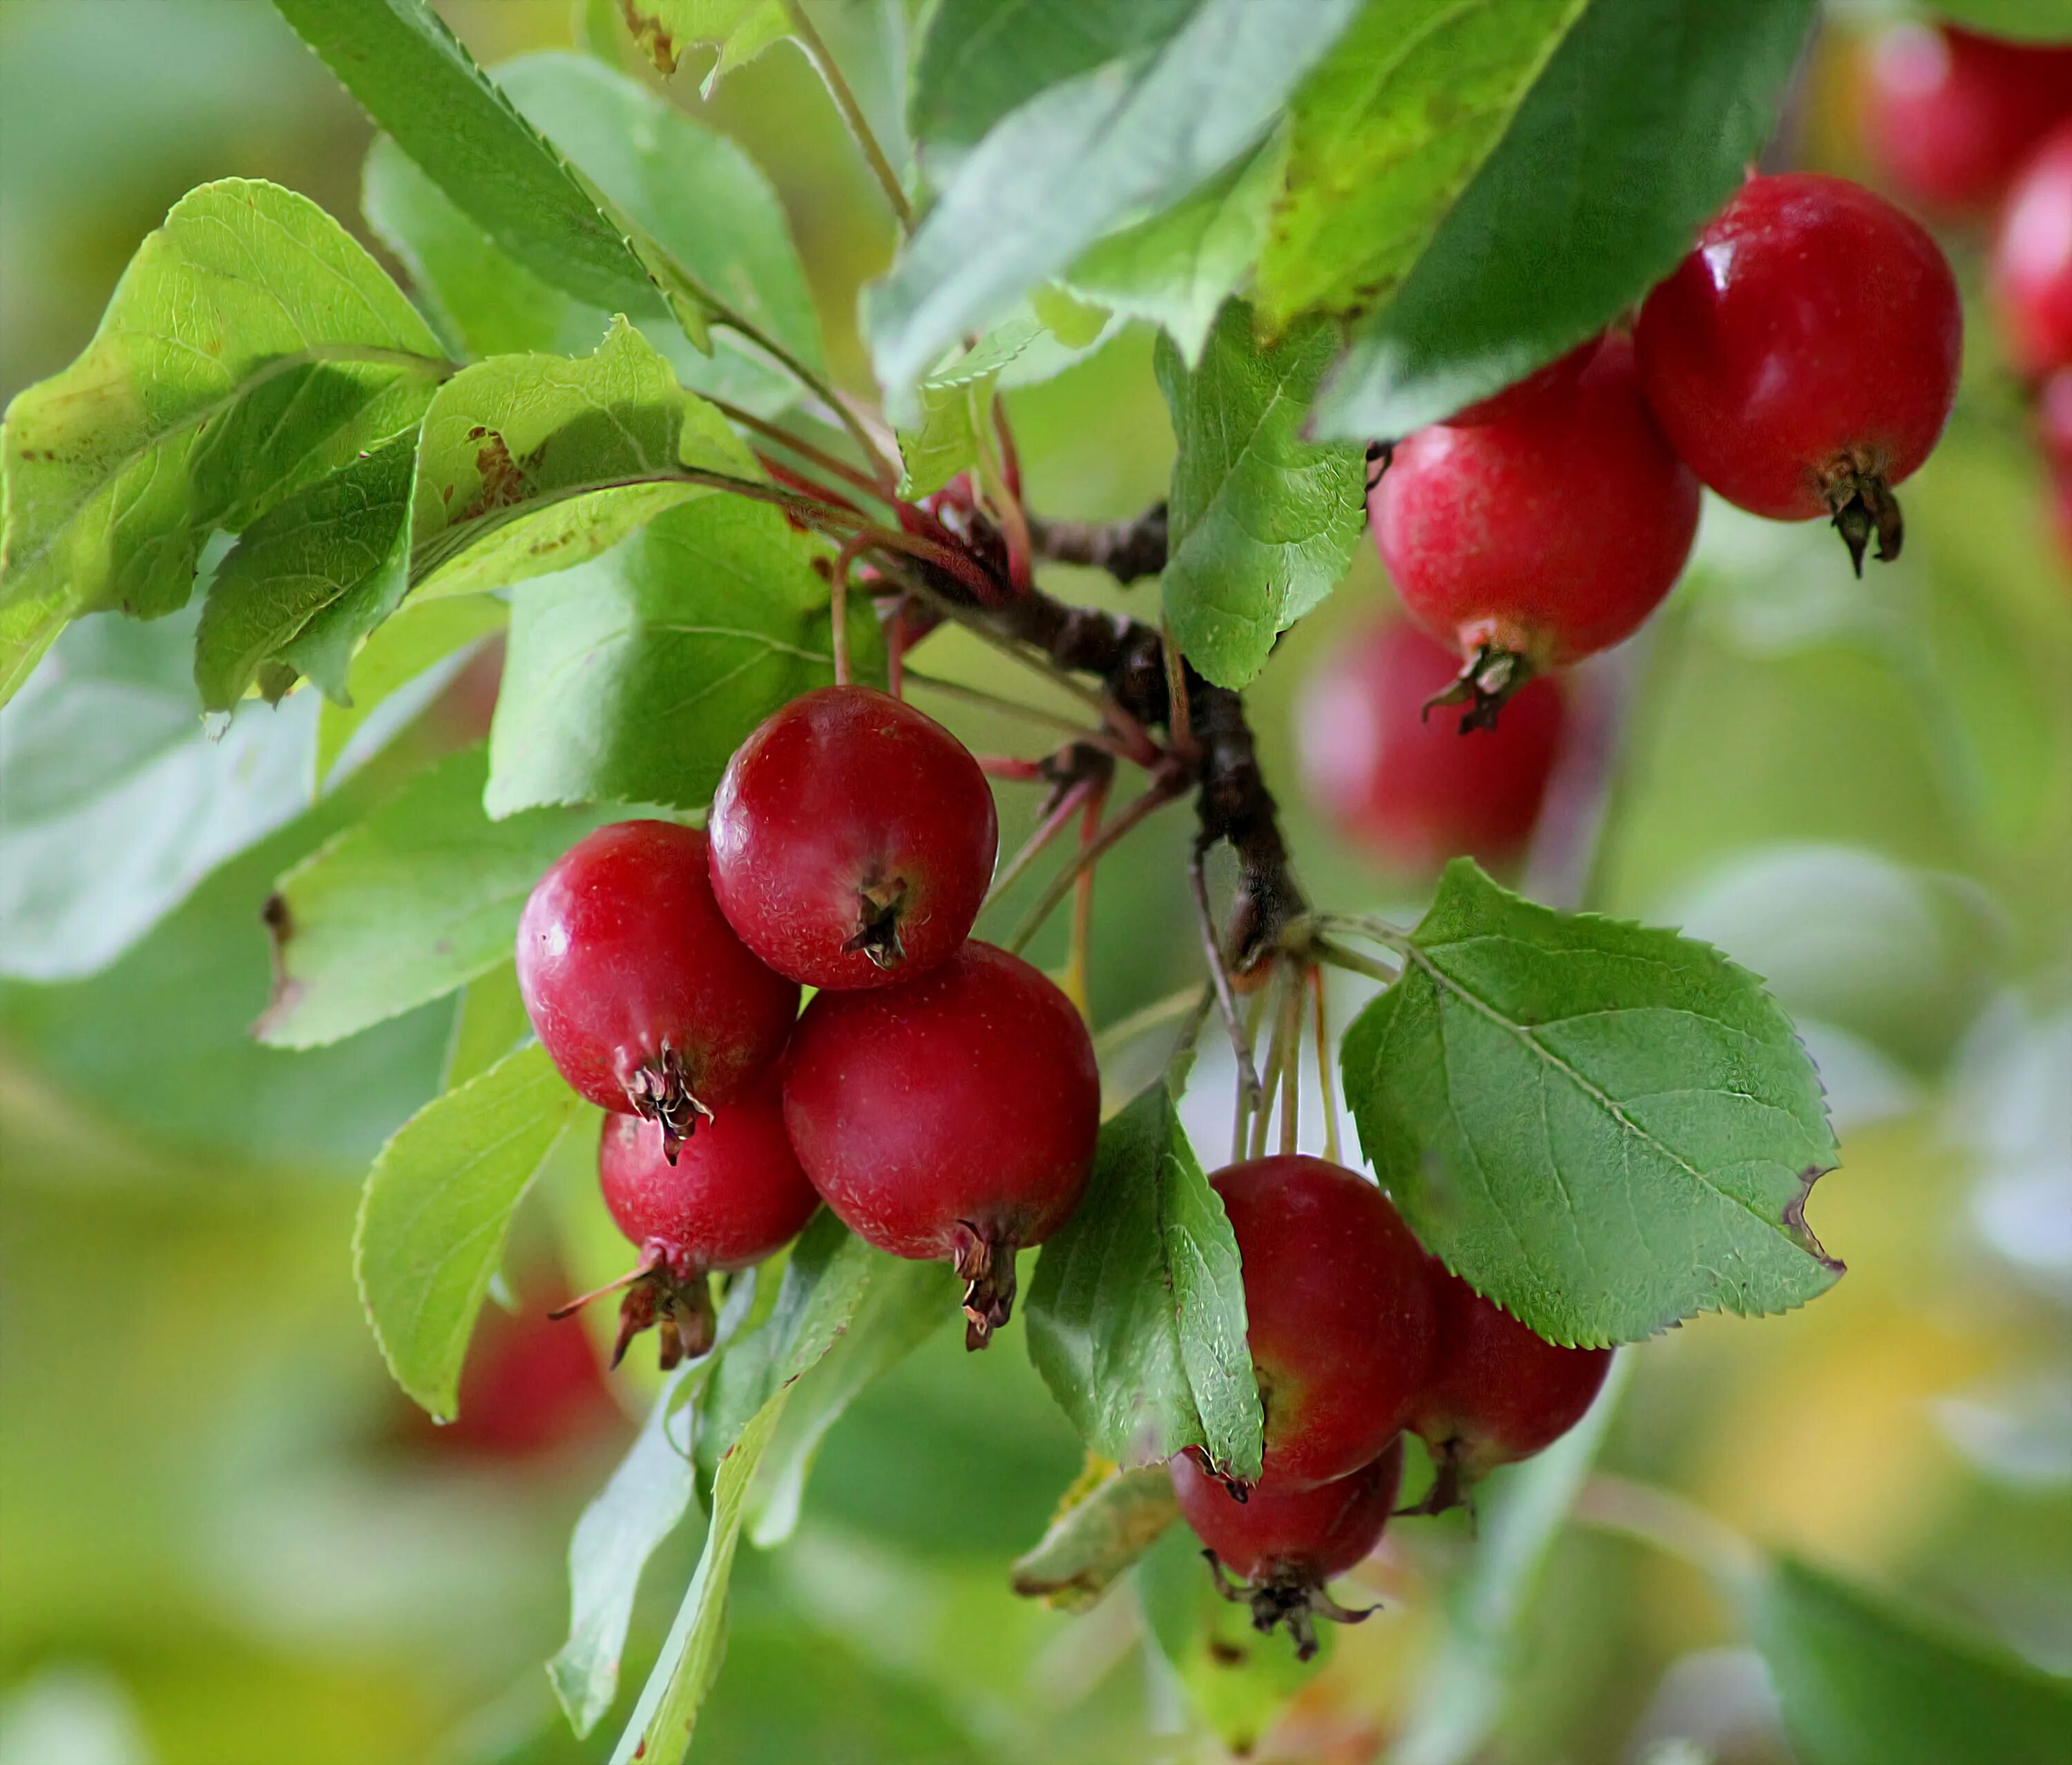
(1497, 1391)
(1283, 1547)
(1408, 787)
(1950, 114)
(1339, 1314)
(529, 1388)
(1804, 358)
(1542, 536)
(2033, 259)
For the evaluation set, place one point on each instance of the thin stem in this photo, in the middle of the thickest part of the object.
(1007, 707)
(895, 651)
(1340, 958)
(805, 486)
(1205, 923)
(1010, 768)
(1028, 658)
(1276, 1058)
(1180, 721)
(1365, 925)
(1326, 1082)
(1153, 799)
(852, 113)
(1081, 936)
(1125, 1031)
(838, 603)
(882, 468)
(1291, 1073)
(1047, 829)
(1669, 1524)
(805, 450)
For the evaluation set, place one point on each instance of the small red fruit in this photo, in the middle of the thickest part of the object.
(1538, 539)
(2033, 260)
(953, 1116)
(1804, 357)
(1498, 1391)
(734, 1195)
(528, 1389)
(1410, 790)
(1951, 115)
(1284, 1545)
(1549, 381)
(853, 839)
(639, 990)
(1341, 1322)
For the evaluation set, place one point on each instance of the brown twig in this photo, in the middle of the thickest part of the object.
(1128, 550)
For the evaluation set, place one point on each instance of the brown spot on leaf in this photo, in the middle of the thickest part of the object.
(656, 42)
(505, 481)
(280, 927)
(1795, 1221)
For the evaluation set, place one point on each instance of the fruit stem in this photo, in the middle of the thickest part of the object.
(1248, 1092)
(1156, 796)
(1319, 1022)
(815, 52)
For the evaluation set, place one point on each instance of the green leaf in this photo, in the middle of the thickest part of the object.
(741, 30)
(489, 1022)
(905, 1304)
(1386, 134)
(1643, 120)
(645, 1501)
(114, 804)
(413, 77)
(406, 906)
(1084, 157)
(437, 1207)
(422, 635)
(532, 463)
(1177, 268)
(957, 406)
(1136, 1319)
(250, 348)
(1603, 1127)
(335, 557)
(983, 58)
(1864, 1682)
(1100, 1533)
(696, 194)
(635, 678)
(2041, 21)
(824, 1281)
(1263, 522)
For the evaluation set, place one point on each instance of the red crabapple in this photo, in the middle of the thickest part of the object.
(1803, 358)
(639, 988)
(952, 1116)
(1553, 379)
(1283, 1546)
(2033, 260)
(734, 1196)
(853, 839)
(1339, 1309)
(1409, 790)
(1950, 114)
(1541, 537)
(1498, 1391)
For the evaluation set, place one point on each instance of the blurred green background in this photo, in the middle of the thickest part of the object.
(225, 1538)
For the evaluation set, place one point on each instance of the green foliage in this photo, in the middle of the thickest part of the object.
(406, 906)
(2040, 20)
(250, 348)
(635, 678)
(532, 463)
(1604, 1127)
(1263, 523)
(437, 1209)
(113, 802)
(1386, 134)
(310, 579)
(1102, 1528)
(421, 635)
(1136, 1318)
(1083, 157)
(693, 191)
(410, 73)
(1644, 120)
(1864, 1682)
(982, 59)
(741, 29)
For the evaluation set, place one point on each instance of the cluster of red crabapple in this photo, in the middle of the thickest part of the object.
(942, 1096)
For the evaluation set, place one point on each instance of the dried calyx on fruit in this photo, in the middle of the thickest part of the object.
(640, 991)
(853, 839)
(1498, 1391)
(1539, 534)
(733, 1195)
(1338, 1310)
(1283, 1546)
(952, 1118)
(1803, 358)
